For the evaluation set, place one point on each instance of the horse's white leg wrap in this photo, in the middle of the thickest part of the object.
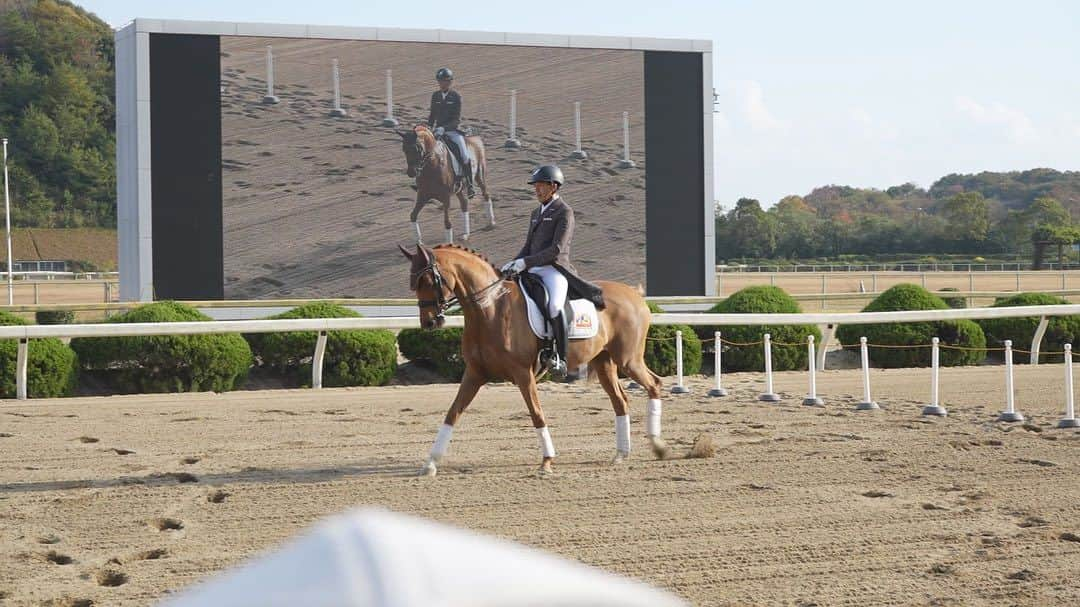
(546, 447)
(416, 228)
(652, 422)
(442, 442)
(622, 433)
(465, 220)
(449, 234)
(491, 211)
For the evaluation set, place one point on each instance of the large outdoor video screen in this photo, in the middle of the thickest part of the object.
(315, 195)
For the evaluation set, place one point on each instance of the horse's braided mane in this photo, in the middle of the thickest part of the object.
(467, 250)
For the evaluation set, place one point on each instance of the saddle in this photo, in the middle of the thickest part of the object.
(579, 315)
(455, 164)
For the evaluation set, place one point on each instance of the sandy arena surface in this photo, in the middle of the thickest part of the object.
(800, 505)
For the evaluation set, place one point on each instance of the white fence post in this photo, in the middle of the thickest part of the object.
(270, 97)
(512, 141)
(678, 388)
(719, 389)
(1069, 421)
(935, 408)
(768, 395)
(812, 399)
(867, 402)
(1010, 414)
(21, 356)
(1036, 339)
(338, 110)
(626, 163)
(390, 120)
(317, 360)
(578, 152)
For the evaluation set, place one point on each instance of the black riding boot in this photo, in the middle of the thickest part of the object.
(470, 189)
(558, 365)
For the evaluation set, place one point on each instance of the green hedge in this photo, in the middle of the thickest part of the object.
(440, 348)
(964, 333)
(762, 300)
(353, 358)
(660, 348)
(54, 317)
(52, 367)
(1060, 330)
(166, 363)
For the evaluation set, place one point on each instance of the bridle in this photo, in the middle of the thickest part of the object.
(442, 303)
(424, 155)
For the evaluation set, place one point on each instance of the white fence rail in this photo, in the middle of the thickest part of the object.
(24, 333)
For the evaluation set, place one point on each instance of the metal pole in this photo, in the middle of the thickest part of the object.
(578, 152)
(768, 395)
(270, 98)
(935, 408)
(812, 399)
(718, 347)
(867, 402)
(1010, 413)
(511, 141)
(338, 110)
(7, 221)
(1069, 421)
(389, 120)
(626, 163)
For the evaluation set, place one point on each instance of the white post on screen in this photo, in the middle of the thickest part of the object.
(578, 152)
(7, 222)
(679, 388)
(1069, 421)
(717, 348)
(338, 110)
(812, 399)
(270, 97)
(626, 163)
(511, 141)
(867, 402)
(389, 120)
(768, 395)
(935, 408)
(1010, 414)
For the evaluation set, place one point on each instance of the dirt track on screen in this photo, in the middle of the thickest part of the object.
(799, 506)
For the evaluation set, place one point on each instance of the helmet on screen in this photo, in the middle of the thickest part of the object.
(444, 73)
(548, 172)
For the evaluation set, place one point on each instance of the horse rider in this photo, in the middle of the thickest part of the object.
(444, 117)
(547, 255)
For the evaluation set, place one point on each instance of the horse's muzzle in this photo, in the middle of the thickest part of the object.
(436, 322)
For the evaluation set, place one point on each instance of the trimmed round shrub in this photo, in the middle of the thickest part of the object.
(52, 367)
(439, 349)
(954, 302)
(366, 357)
(54, 317)
(1060, 330)
(762, 299)
(962, 333)
(660, 348)
(166, 363)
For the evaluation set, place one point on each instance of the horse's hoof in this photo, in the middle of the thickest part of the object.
(545, 469)
(619, 458)
(659, 447)
(429, 469)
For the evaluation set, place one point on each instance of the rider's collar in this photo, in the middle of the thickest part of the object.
(544, 207)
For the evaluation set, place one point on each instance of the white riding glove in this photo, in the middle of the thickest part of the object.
(439, 131)
(517, 266)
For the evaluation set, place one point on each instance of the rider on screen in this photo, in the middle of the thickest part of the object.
(444, 117)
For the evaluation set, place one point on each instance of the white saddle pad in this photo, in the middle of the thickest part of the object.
(585, 324)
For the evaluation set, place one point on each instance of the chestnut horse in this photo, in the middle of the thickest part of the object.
(428, 160)
(497, 343)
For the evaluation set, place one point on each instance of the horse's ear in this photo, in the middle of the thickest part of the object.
(405, 252)
(424, 254)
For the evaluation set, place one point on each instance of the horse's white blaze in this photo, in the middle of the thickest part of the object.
(652, 422)
(622, 434)
(546, 446)
(442, 442)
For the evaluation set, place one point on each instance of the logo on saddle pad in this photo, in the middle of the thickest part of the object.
(582, 322)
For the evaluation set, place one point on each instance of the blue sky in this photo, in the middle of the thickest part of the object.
(832, 92)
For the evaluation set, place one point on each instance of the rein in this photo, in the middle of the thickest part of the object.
(441, 303)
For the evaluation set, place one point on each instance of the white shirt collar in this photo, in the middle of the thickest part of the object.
(444, 94)
(544, 207)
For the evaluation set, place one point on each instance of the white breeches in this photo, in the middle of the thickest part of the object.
(556, 287)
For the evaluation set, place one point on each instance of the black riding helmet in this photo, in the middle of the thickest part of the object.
(548, 172)
(444, 73)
